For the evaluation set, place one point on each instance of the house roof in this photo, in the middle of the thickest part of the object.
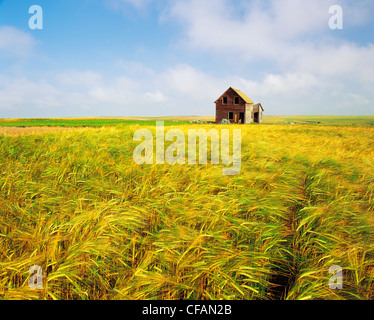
(240, 94)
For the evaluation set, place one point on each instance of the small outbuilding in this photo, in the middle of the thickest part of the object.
(236, 107)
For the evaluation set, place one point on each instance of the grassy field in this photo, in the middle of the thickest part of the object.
(84, 122)
(322, 120)
(98, 122)
(102, 227)
(120, 121)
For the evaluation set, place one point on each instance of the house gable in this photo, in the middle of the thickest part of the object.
(242, 97)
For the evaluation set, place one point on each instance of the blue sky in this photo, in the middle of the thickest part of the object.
(175, 57)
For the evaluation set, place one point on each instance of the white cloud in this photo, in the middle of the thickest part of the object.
(79, 78)
(356, 100)
(178, 90)
(277, 31)
(252, 31)
(15, 93)
(15, 42)
(120, 90)
(185, 79)
(275, 84)
(155, 97)
(349, 60)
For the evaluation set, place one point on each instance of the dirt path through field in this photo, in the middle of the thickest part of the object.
(29, 130)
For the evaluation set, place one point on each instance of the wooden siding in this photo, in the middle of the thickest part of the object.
(222, 110)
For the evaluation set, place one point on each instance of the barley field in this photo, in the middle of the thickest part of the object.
(102, 227)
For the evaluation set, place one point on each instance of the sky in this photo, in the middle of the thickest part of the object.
(176, 57)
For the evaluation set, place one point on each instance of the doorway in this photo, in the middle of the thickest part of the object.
(256, 117)
(241, 117)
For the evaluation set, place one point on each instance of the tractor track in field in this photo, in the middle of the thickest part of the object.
(286, 270)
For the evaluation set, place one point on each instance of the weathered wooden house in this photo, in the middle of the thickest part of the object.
(236, 107)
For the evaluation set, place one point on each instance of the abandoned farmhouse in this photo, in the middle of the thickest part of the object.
(236, 107)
